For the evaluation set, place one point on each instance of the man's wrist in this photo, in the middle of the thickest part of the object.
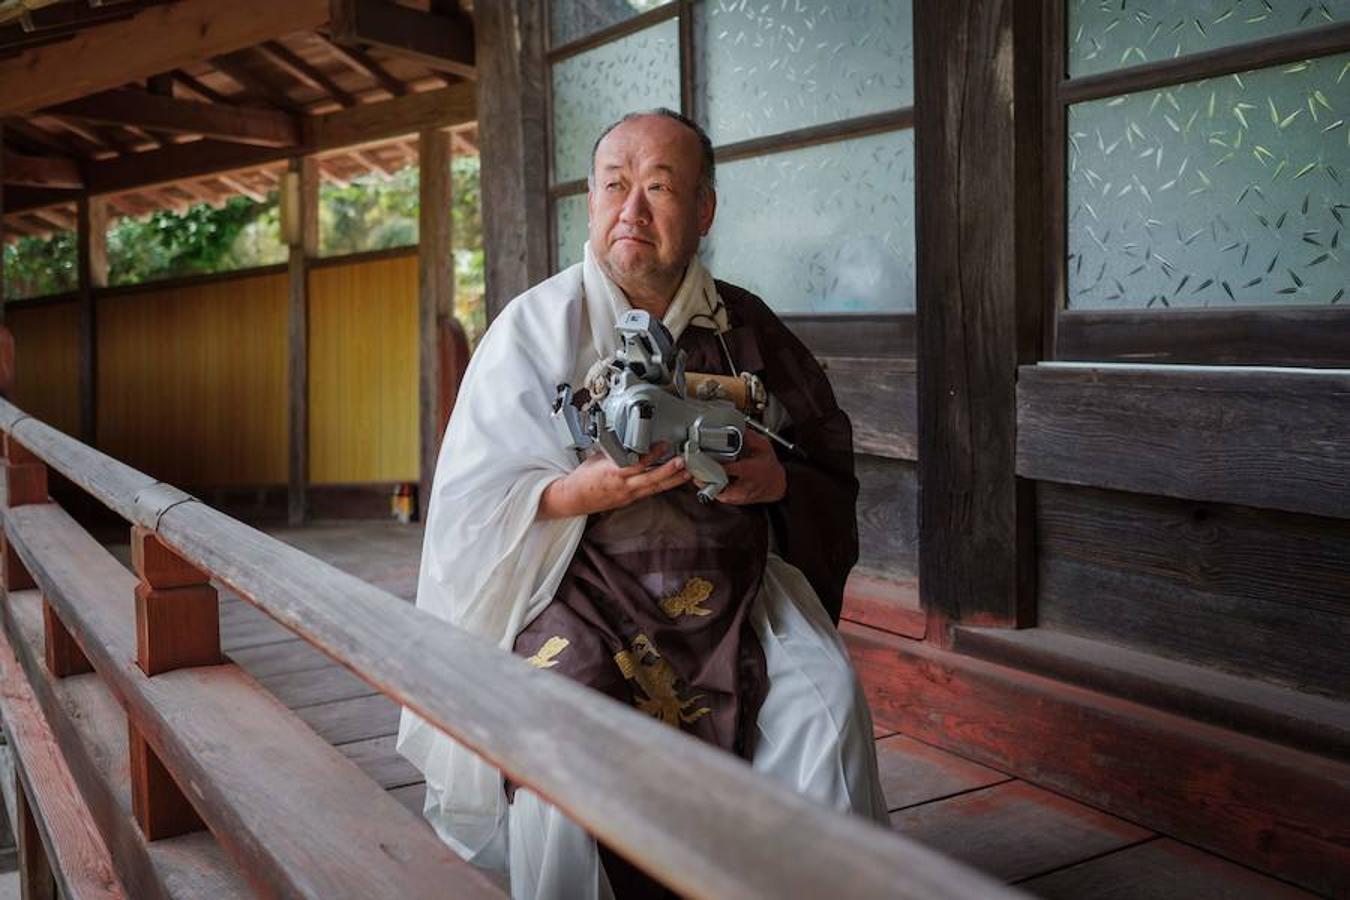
(554, 502)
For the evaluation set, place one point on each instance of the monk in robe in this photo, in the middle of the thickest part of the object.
(716, 618)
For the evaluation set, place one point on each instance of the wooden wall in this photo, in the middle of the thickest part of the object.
(363, 372)
(46, 367)
(192, 381)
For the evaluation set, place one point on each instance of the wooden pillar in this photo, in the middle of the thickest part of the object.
(91, 230)
(304, 245)
(177, 626)
(513, 142)
(436, 294)
(3, 385)
(979, 212)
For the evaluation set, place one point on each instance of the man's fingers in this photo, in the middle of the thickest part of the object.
(643, 481)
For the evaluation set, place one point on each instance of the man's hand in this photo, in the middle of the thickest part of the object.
(757, 477)
(598, 484)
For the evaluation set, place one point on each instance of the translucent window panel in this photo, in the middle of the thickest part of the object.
(592, 89)
(572, 20)
(569, 229)
(1113, 34)
(827, 229)
(1220, 192)
(773, 67)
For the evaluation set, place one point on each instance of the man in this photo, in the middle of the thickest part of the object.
(711, 617)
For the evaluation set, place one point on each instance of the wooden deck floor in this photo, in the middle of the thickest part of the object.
(1047, 844)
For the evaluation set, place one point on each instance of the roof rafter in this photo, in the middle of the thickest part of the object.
(241, 125)
(41, 171)
(440, 40)
(290, 62)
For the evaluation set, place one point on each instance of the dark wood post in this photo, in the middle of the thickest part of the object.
(436, 294)
(513, 141)
(91, 241)
(979, 211)
(36, 879)
(25, 479)
(304, 246)
(177, 626)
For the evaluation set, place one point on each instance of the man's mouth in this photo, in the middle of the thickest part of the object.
(634, 238)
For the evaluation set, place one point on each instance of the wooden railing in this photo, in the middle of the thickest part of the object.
(208, 746)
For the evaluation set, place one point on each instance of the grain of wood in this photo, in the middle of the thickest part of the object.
(1015, 830)
(74, 848)
(91, 727)
(210, 726)
(913, 772)
(1214, 788)
(1160, 868)
(1268, 438)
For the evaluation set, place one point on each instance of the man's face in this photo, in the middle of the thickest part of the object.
(646, 212)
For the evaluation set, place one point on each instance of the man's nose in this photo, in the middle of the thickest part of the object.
(635, 207)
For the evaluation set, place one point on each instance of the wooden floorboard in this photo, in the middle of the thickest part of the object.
(358, 719)
(914, 772)
(280, 658)
(1015, 830)
(1160, 869)
(378, 759)
(312, 687)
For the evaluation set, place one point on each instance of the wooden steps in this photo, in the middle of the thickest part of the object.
(1276, 808)
(1251, 706)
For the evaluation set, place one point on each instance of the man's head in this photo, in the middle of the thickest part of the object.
(651, 199)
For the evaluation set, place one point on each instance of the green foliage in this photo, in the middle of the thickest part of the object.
(369, 214)
(35, 267)
(240, 234)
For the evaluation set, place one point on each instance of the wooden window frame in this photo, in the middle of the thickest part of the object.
(883, 335)
(1317, 336)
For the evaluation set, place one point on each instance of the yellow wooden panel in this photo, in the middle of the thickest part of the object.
(192, 381)
(363, 372)
(47, 373)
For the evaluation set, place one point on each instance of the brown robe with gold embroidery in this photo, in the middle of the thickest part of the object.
(654, 608)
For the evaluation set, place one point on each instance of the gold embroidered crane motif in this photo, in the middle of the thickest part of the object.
(546, 657)
(687, 602)
(657, 680)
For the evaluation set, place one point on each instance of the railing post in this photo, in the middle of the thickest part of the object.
(177, 626)
(25, 483)
(36, 880)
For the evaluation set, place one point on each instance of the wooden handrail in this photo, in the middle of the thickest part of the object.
(695, 818)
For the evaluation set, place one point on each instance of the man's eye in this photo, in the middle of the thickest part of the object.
(657, 187)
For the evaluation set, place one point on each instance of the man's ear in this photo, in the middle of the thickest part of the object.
(707, 208)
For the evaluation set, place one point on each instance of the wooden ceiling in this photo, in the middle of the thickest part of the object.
(223, 123)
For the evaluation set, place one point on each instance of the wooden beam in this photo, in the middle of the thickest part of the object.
(196, 86)
(978, 127)
(361, 61)
(512, 131)
(1267, 438)
(304, 173)
(184, 32)
(436, 292)
(235, 66)
(241, 125)
(42, 171)
(370, 122)
(239, 187)
(290, 62)
(440, 41)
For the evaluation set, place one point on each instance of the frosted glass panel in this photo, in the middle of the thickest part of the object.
(826, 229)
(1229, 191)
(592, 89)
(773, 67)
(1113, 34)
(572, 20)
(569, 229)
